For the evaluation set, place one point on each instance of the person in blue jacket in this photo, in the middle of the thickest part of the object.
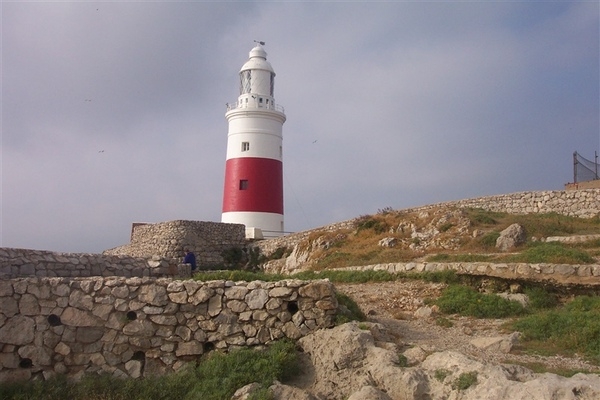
(190, 258)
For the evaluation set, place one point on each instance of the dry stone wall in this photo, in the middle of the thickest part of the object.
(167, 241)
(132, 327)
(15, 263)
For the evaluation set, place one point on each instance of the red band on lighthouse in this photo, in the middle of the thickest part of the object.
(253, 184)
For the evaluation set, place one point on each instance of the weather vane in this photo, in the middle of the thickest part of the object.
(259, 42)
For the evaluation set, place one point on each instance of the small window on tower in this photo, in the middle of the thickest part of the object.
(243, 184)
(245, 146)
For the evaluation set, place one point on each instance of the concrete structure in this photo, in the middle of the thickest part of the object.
(253, 190)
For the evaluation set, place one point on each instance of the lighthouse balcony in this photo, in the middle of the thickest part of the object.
(255, 103)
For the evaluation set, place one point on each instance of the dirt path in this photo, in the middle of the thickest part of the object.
(393, 304)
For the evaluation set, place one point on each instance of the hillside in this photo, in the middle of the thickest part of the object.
(442, 233)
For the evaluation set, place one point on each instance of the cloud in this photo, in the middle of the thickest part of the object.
(114, 112)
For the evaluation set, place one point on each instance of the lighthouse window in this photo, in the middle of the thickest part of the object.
(245, 146)
(245, 85)
(272, 83)
(243, 184)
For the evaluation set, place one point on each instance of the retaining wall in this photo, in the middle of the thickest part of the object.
(15, 263)
(132, 327)
(556, 274)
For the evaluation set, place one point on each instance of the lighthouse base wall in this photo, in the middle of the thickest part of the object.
(270, 224)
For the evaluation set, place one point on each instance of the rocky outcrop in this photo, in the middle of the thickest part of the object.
(352, 361)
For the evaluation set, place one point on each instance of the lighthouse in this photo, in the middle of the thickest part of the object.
(253, 190)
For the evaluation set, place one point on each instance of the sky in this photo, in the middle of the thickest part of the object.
(114, 112)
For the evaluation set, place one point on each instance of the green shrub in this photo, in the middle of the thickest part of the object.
(279, 253)
(445, 227)
(233, 257)
(402, 361)
(368, 222)
(457, 299)
(441, 374)
(540, 299)
(465, 380)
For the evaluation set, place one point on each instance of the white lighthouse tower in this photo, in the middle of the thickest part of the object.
(253, 192)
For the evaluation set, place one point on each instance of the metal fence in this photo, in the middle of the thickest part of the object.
(583, 169)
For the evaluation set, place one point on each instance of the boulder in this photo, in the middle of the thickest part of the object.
(497, 343)
(511, 237)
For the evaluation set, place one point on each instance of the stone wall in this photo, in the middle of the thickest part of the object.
(575, 203)
(167, 240)
(15, 263)
(132, 327)
(557, 274)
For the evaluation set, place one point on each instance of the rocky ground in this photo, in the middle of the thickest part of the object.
(402, 353)
(395, 305)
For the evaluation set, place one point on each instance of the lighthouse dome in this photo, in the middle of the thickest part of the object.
(258, 60)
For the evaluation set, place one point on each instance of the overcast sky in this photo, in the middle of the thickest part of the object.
(114, 113)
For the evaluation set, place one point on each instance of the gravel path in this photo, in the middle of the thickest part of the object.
(393, 304)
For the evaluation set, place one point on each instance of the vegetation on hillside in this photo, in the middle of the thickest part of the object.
(451, 235)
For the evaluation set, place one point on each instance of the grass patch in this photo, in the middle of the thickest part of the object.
(441, 374)
(238, 275)
(222, 374)
(480, 217)
(103, 386)
(551, 253)
(488, 241)
(217, 377)
(344, 276)
(575, 328)
(463, 300)
(349, 310)
(541, 299)
(465, 380)
(469, 257)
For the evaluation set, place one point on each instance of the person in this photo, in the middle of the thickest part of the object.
(190, 258)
